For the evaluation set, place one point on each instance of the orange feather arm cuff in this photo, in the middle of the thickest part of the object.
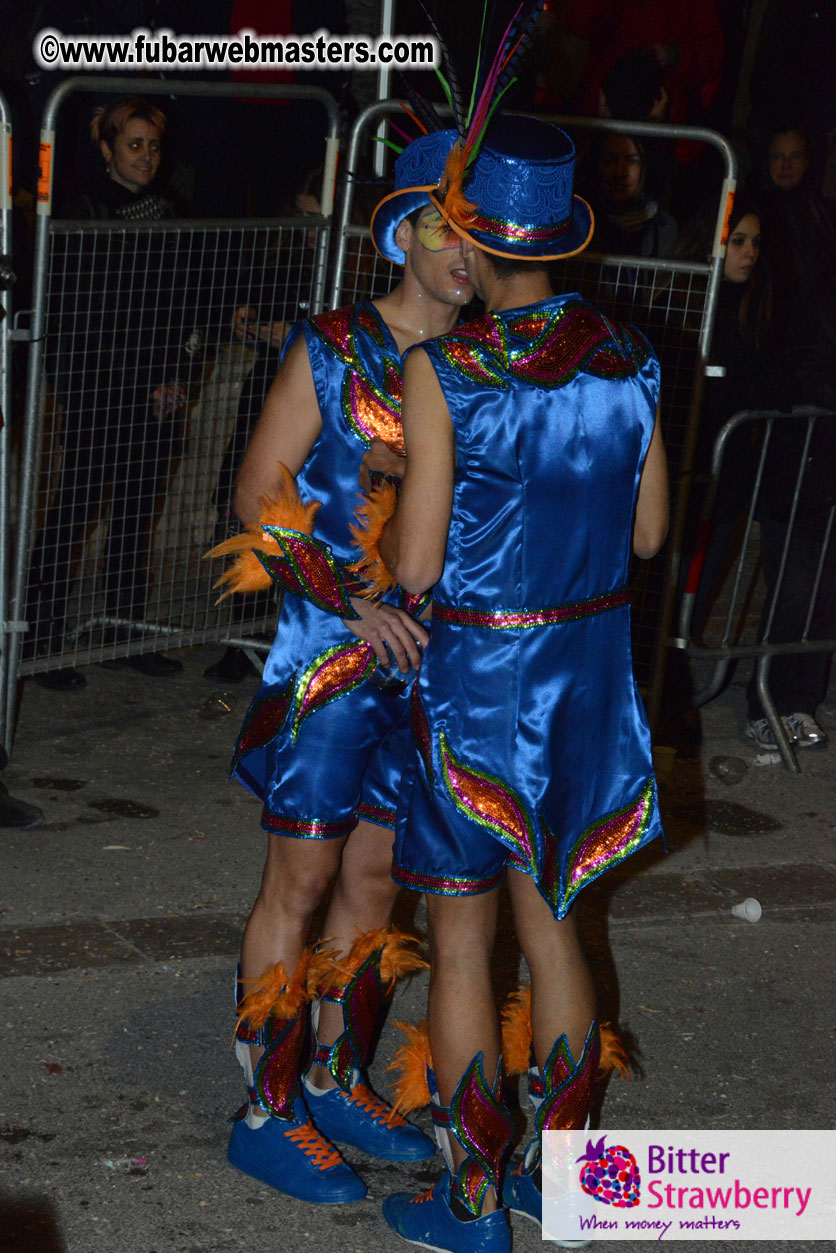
(373, 513)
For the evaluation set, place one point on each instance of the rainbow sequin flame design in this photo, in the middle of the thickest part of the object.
(483, 1126)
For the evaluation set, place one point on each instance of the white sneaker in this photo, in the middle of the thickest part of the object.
(760, 731)
(806, 731)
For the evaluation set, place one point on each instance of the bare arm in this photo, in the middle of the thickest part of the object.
(287, 430)
(414, 542)
(651, 525)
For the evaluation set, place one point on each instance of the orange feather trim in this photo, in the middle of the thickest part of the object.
(516, 1032)
(373, 512)
(247, 574)
(455, 206)
(273, 993)
(397, 960)
(411, 1060)
(613, 1053)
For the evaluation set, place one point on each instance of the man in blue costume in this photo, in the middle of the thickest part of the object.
(533, 463)
(324, 741)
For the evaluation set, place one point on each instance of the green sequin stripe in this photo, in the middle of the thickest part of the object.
(614, 843)
(382, 397)
(342, 689)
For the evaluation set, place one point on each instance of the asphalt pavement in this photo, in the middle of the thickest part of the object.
(120, 919)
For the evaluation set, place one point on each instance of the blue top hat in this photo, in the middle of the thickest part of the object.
(418, 171)
(521, 188)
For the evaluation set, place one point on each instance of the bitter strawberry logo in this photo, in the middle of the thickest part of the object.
(611, 1175)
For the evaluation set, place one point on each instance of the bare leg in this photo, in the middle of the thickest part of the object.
(363, 900)
(296, 875)
(463, 1020)
(562, 995)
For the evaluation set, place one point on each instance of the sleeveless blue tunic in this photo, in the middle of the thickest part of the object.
(323, 743)
(532, 744)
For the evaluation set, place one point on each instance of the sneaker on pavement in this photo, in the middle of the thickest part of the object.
(807, 732)
(759, 730)
(365, 1121)
(521, 1195)
(428, 1220)
(293, 1157)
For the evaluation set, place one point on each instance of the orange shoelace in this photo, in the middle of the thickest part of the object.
(314, 1145)
(425, 1196)
(380, 1110)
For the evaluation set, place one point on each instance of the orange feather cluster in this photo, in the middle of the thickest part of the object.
(398, 958)
(516, 1039)
(411, 1060)
(247, 574)
(516, 1032)
(455, 206)
(273, 993)
(373, 512)
(613, 1053)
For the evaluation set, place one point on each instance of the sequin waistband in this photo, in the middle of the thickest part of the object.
(520, 619)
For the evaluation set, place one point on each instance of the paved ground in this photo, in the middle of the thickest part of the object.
(119, 925)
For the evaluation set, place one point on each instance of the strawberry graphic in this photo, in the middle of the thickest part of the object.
(611, 1175)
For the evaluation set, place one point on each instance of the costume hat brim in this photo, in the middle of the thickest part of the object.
(572, 241)
(389, 214)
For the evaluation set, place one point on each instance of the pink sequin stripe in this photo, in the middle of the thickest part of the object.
(305, 828)
(517, 619)
(445, 885)
(383, 815)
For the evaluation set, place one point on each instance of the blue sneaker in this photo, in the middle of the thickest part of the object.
(428, 1220)
(365, 1121)
(295, 1158)
(521, 1195)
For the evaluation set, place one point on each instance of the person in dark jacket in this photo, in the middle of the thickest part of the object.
(120, 354)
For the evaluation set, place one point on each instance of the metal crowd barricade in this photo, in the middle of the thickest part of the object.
(131, 410)
(6, 626)
(672, 301)
(777, 471)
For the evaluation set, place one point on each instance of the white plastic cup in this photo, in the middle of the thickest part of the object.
(748, 910)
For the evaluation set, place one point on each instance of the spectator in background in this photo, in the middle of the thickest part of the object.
(264, 329)
(801, 221)
(628, 219)
(798, 684)
(744, 343)
(121, 356)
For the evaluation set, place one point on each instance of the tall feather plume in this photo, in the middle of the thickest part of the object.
(452, 84)
(501, 73)
(422, 111)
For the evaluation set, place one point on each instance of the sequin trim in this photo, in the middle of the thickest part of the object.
(371, 406)
(490, 802)
(516, 232)
(383, 815)
(555, 348)
(306, 828)
(332, 674)
(445, 885)
(569, 1087)
(483, 1127)
(607, 841)
(421, 733)
(522, 619)
(262, 723)
(307, 568)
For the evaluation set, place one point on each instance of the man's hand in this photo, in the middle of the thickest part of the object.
(381, 624)
(379, 459)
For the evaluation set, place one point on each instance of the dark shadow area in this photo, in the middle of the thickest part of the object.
(29, 1223)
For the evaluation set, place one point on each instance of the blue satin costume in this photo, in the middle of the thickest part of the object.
(322, 745)
(533, 748)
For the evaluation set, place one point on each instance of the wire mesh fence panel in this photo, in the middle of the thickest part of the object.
(162, 341)
(761, 580)
(153, 345)
(672, 301)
